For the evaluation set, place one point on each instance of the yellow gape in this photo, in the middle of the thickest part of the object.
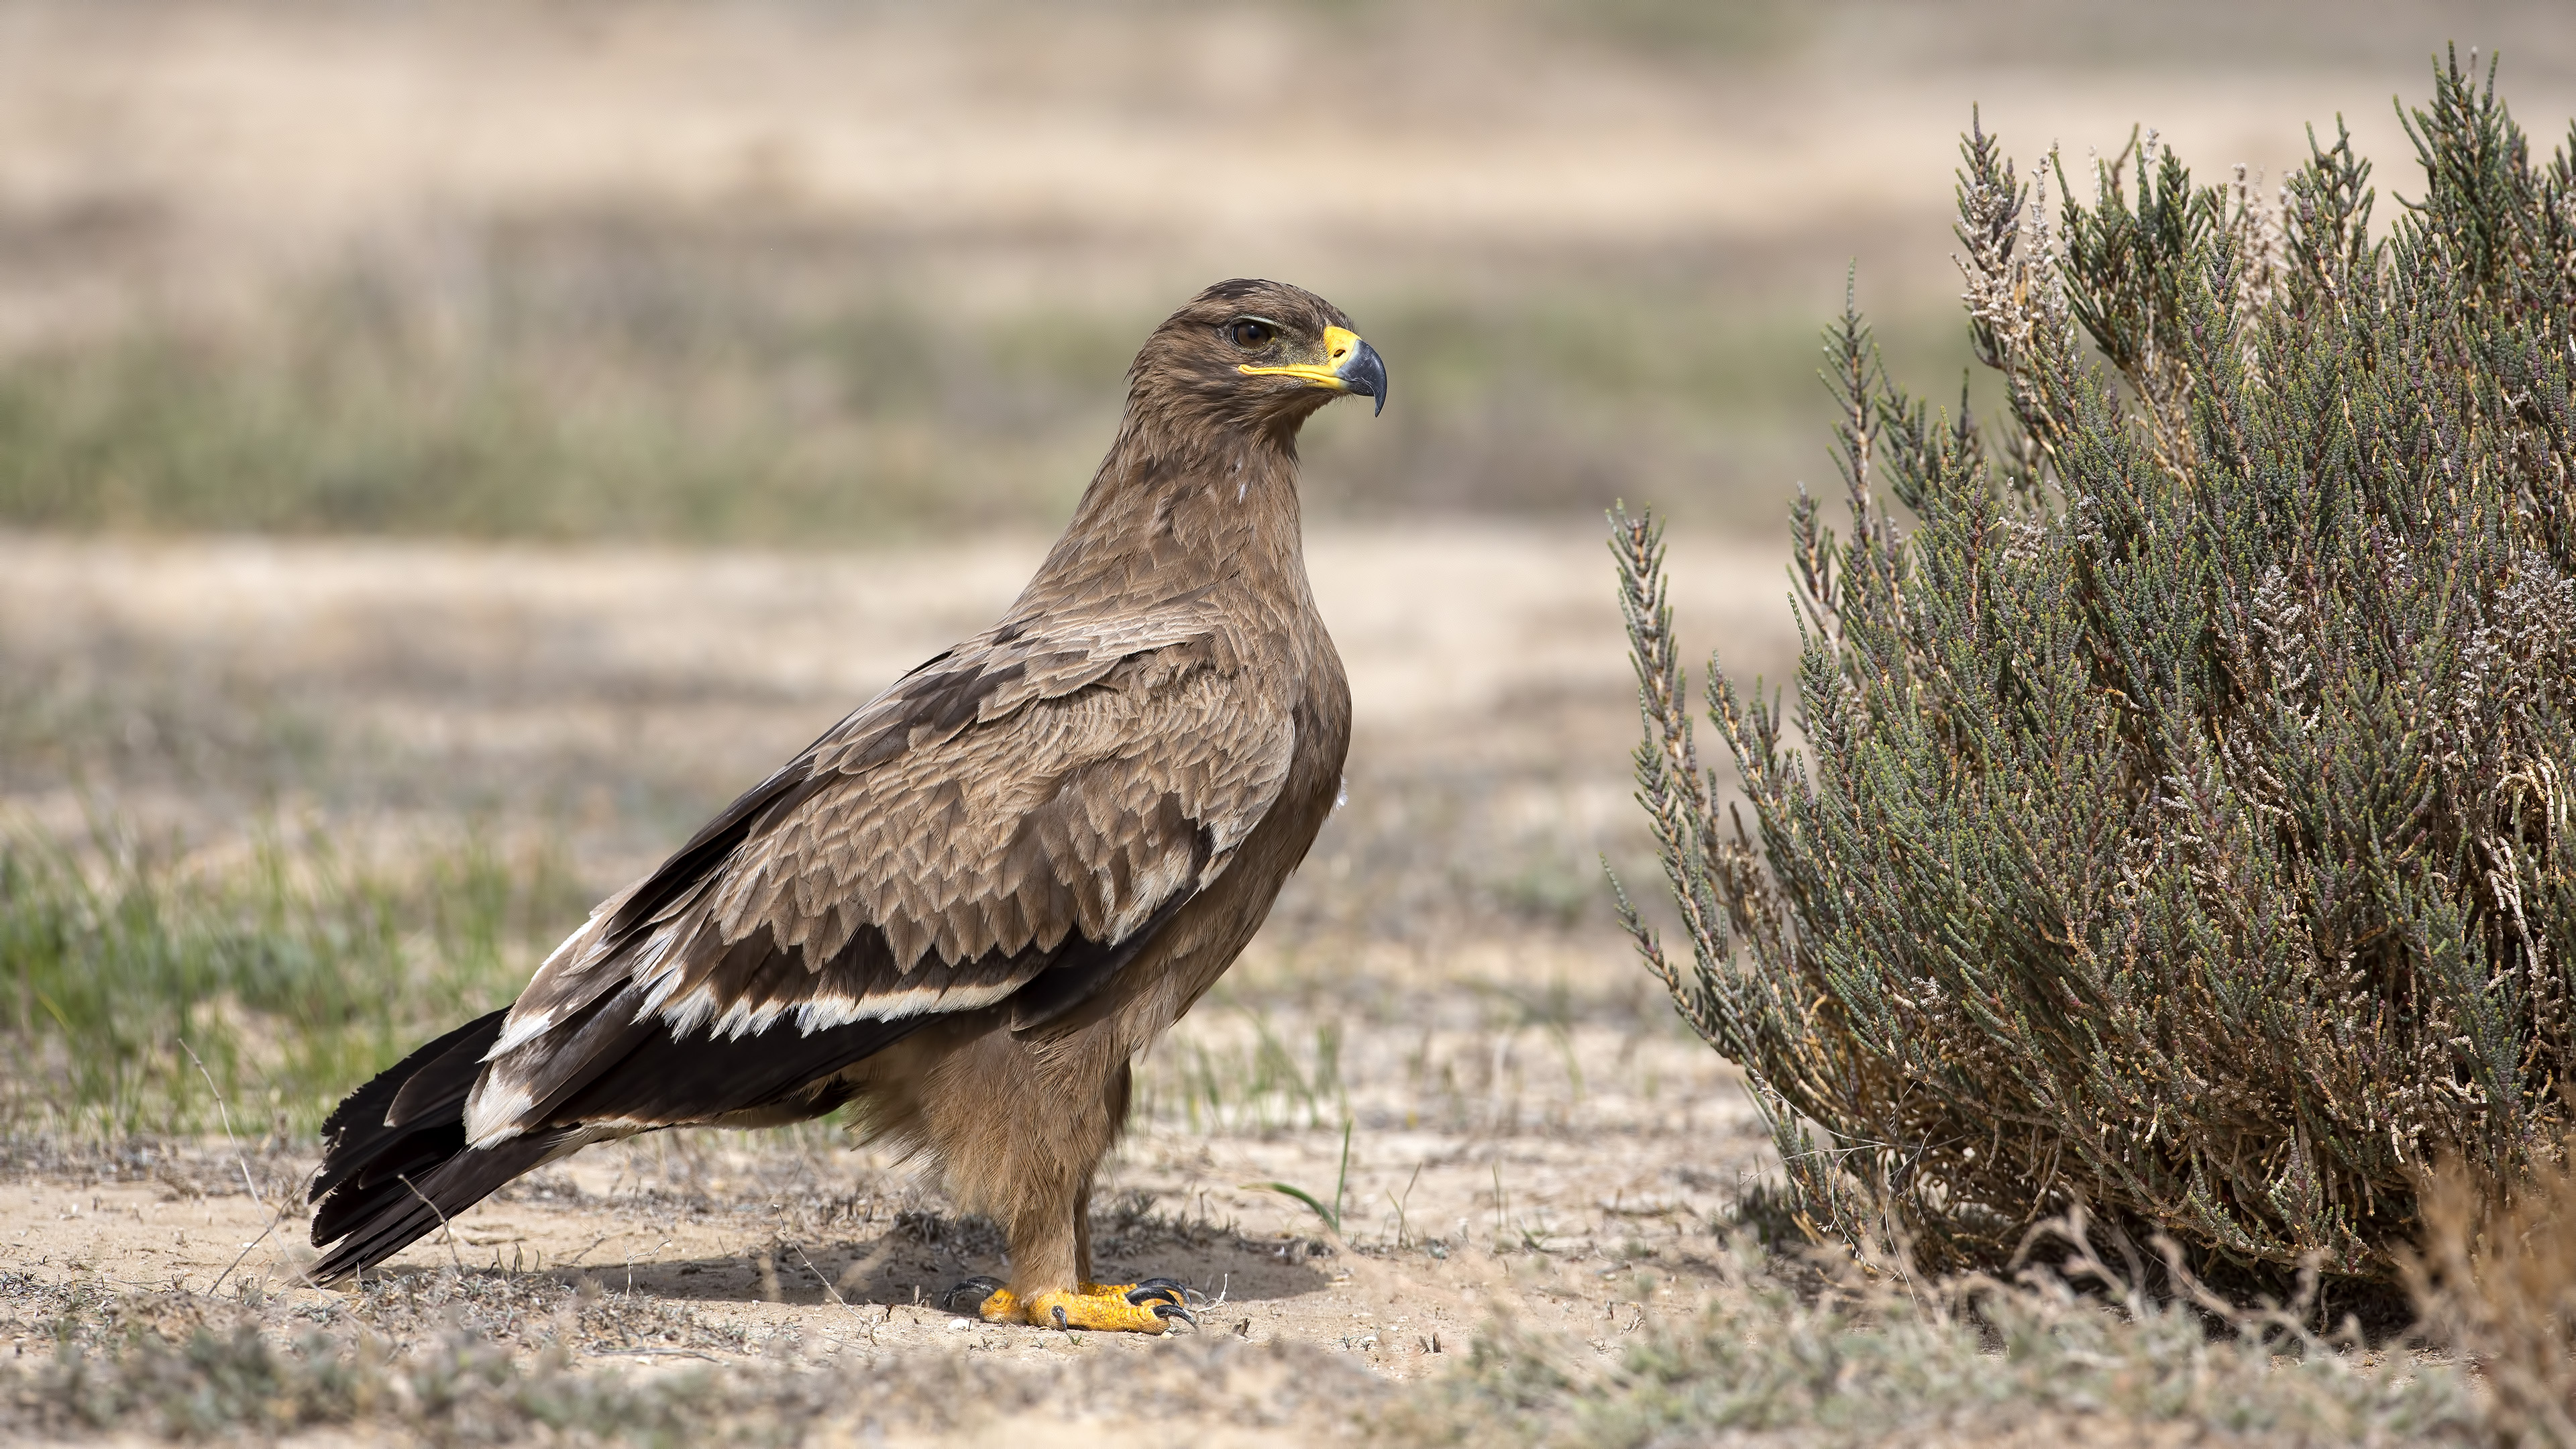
(1341, 344)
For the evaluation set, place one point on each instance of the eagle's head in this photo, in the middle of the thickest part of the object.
(1259, 356)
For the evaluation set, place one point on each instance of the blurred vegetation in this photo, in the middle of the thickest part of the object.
(592, 368)
(2184, 824)
(658, 378)
(1255, 1086)
(2496, 1281)
(626, 393)
(136, 989)
(1874, 1354)
(2207, 35)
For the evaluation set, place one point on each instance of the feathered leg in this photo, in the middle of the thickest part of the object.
(1032, 1167)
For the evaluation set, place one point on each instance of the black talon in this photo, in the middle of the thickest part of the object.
(1163, 1289)
(1169, 1311)
(1058, 1311)
(982, 1288)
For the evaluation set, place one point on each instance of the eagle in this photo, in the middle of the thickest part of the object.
(969, 906)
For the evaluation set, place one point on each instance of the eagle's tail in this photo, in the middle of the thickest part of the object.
(395, 1165)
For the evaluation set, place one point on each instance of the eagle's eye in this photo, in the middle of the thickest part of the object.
(1250, 335)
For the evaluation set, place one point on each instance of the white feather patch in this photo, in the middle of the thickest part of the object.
(519, 1030)
(818, 1013)
(492, 1113)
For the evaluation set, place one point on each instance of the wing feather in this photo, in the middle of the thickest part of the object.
(1010, 822)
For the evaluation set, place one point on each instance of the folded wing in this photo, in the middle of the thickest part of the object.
(1006, 827)
(1017, 815)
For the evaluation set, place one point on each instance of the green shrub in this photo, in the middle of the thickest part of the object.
(2182, 823)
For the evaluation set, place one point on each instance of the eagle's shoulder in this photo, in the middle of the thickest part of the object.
(1093, 773)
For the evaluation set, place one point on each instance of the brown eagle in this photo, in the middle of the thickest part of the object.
(971, 903)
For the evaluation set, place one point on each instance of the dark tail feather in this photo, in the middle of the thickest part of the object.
(418, 1094)
(394, 1161)
(395, 1164)
(375, 1220)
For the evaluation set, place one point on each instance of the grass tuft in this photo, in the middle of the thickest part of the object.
(485, 1358)
(1874, 1354)
(2496, 1280)
(139, 991)
(1258, 1085)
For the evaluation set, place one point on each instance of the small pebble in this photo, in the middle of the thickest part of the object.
(957, 1325)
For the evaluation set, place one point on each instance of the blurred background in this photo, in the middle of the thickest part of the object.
(448, 449)
(824, 274)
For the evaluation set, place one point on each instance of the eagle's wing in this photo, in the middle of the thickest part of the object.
(1010, 822)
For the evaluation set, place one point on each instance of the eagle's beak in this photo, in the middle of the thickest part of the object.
(1350, 365)
(1361, 370)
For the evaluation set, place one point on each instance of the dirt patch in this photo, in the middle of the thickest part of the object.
(704, 1248)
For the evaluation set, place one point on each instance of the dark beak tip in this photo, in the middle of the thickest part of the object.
(1365, 374)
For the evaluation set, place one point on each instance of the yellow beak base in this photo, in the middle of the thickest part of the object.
(1340, 344)
(1349, 365)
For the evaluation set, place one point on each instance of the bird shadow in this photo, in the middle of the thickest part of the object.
(921, 1258)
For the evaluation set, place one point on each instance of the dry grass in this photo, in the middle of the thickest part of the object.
(1838, 1354)
(1776, 1351)
(427, 1367)
(2496, 1276)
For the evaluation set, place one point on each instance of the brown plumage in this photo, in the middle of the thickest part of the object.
(972, 902)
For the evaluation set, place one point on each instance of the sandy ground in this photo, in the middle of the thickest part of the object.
(830, 1250)
(1526, 1120)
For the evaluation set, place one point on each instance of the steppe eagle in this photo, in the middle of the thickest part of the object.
(972, 902)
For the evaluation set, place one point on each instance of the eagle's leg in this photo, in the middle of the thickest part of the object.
(1145, 1307)
(1020, 1128)
(1148, 1291)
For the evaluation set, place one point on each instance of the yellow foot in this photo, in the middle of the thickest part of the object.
(1168, 1290)
(1147, 1307)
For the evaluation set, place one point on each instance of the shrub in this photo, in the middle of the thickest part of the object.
(2182, 823)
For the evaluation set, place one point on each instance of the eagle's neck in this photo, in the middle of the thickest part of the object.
(1172, 512)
